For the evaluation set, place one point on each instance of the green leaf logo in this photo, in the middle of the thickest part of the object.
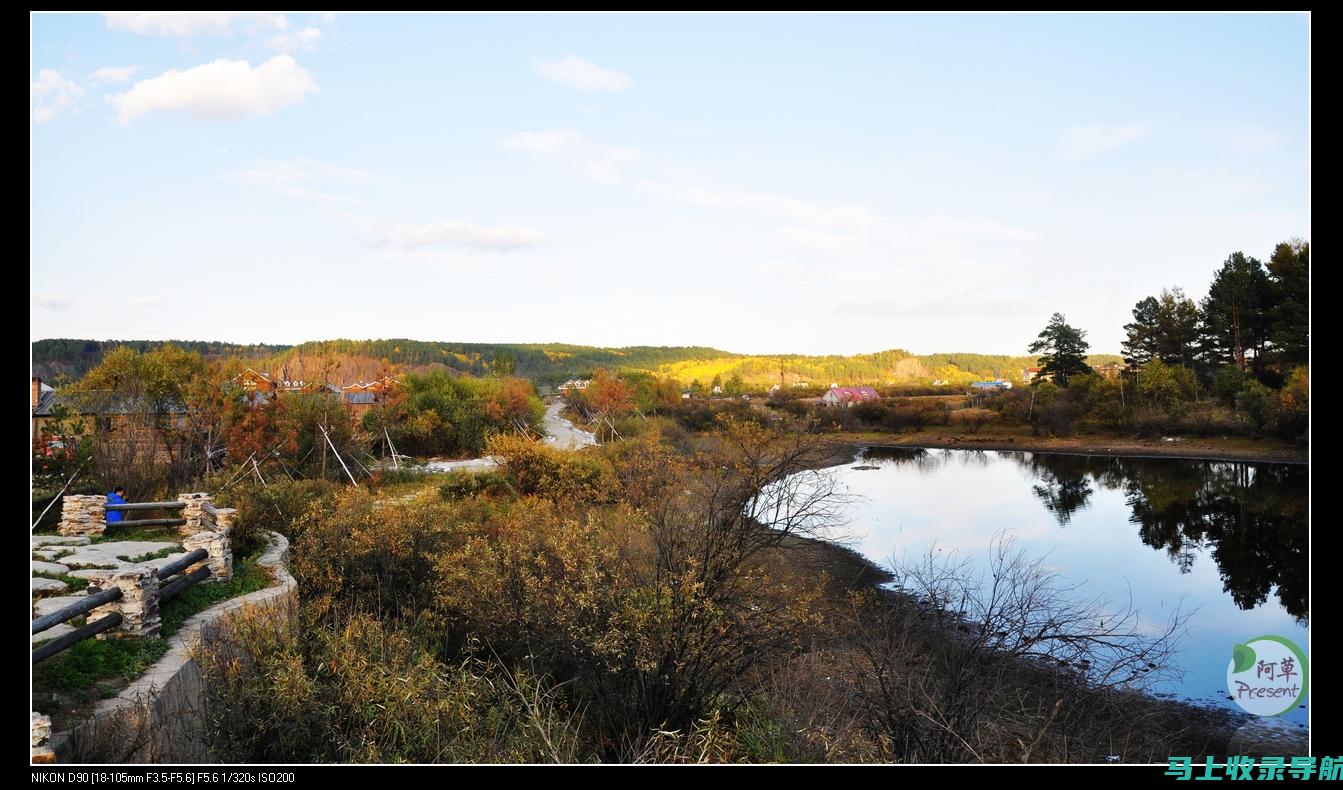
(1243, 658)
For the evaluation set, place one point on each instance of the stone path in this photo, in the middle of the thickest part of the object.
(81, 558)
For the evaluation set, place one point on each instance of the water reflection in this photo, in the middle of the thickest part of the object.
(1251, 519)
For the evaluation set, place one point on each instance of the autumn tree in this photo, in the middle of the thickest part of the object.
(154, 416)
(608, 394)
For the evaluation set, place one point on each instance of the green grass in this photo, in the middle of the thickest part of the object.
(76, 671)
(247, 577)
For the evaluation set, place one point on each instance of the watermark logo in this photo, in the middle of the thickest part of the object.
(1268, 676)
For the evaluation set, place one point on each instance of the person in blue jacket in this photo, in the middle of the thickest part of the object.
(116, 498)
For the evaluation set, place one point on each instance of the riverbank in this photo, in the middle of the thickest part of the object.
(1207, 449)
(910, 641)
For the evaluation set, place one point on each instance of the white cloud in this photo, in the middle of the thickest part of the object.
(499, 238)
(53, 94)
(304, 40)
(188, 24)
(268, 29)
(110, 75)
(1084, 142)
(149, 301)
(308, 179)
(222, 89)
(52, 302)
(581, 75)
(592, 160)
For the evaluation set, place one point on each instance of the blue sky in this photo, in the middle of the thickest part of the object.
(758, 183)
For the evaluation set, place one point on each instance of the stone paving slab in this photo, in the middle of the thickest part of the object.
(50, 567)
(41, 584)
(110, 553)
(46, 606)
(60, 540)
(54, 632)
(86, 573)
(85, 559)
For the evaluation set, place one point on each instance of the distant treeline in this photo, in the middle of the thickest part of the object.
(553, 363)
(74, 358)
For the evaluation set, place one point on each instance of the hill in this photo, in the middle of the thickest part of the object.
(552, 363)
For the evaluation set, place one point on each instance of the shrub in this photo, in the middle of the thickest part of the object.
(275, 506)
(534, 468)
(359, 690)
(1294, 405)
(463, 484)
(1227, 382)
(1258, 404)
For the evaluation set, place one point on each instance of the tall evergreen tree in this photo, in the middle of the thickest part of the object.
(1142, 342)
(1177, 328)
(1235, 315)
(1289, 274)
(1062, 350)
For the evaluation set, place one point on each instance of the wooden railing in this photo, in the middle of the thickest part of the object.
(49, 649)
(147, 522)
(166, 592)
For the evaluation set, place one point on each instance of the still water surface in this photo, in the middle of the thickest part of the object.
(1225, 543)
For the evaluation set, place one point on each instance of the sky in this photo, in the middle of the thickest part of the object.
(801, 183)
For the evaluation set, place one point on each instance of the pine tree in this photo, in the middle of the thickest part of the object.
(1062, 350)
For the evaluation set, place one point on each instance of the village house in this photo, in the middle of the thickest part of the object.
(120, 418)
(357, 398)
(252, 381)
(847, 396)
(362, 396)
(574, 385)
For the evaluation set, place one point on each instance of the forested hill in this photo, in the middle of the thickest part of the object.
(74, 358)
(548, 363)
(552, 363)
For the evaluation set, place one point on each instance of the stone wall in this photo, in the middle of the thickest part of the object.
(41, 730)
(194, 513)
(83, 514)
(220, 549)
(139, 602)
(159, 717)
